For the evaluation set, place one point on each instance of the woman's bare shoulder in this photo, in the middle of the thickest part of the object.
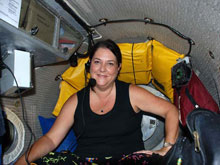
(70, 104)
(135, 89)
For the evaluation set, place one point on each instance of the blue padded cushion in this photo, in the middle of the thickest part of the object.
(68, 142)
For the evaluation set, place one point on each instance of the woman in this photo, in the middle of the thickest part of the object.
(106, 117)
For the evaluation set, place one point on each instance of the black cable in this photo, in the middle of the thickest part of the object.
(146, 21)
(190, 48)
(132, 59)
(74, 143)
(84, 93)
(23, 110)
(149, 21)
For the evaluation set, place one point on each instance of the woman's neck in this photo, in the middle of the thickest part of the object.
(103, 92)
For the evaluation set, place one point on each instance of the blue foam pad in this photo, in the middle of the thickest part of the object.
(69, 142)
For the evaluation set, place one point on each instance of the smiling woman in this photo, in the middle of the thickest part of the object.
(106, 118)
(105, 108)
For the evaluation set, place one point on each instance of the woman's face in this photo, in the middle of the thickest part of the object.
(104, 67)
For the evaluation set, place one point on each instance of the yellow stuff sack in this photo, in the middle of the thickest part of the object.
(74, 80)
(163, 59)
(136, 64)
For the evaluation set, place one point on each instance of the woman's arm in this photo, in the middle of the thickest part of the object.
(141, 99)
(55, 135)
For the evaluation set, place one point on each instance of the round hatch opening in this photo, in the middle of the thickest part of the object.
(14, 137)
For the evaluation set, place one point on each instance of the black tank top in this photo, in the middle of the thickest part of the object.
(115, 133)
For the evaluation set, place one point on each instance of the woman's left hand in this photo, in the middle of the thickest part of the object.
(161, 152)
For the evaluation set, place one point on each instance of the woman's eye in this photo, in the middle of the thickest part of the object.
(111, 64)
(96, 62)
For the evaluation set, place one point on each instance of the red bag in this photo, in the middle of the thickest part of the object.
(199, 94)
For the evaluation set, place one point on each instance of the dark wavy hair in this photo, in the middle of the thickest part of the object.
(109, 44)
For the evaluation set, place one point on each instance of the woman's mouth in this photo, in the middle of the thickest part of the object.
(101, 75)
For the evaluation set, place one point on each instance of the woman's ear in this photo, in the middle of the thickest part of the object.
(119, 67)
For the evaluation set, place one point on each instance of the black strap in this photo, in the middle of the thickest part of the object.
(191, 98)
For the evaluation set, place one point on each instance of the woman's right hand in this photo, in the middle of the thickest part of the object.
(161, 151)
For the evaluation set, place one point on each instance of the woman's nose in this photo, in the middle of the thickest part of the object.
(103, 67)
